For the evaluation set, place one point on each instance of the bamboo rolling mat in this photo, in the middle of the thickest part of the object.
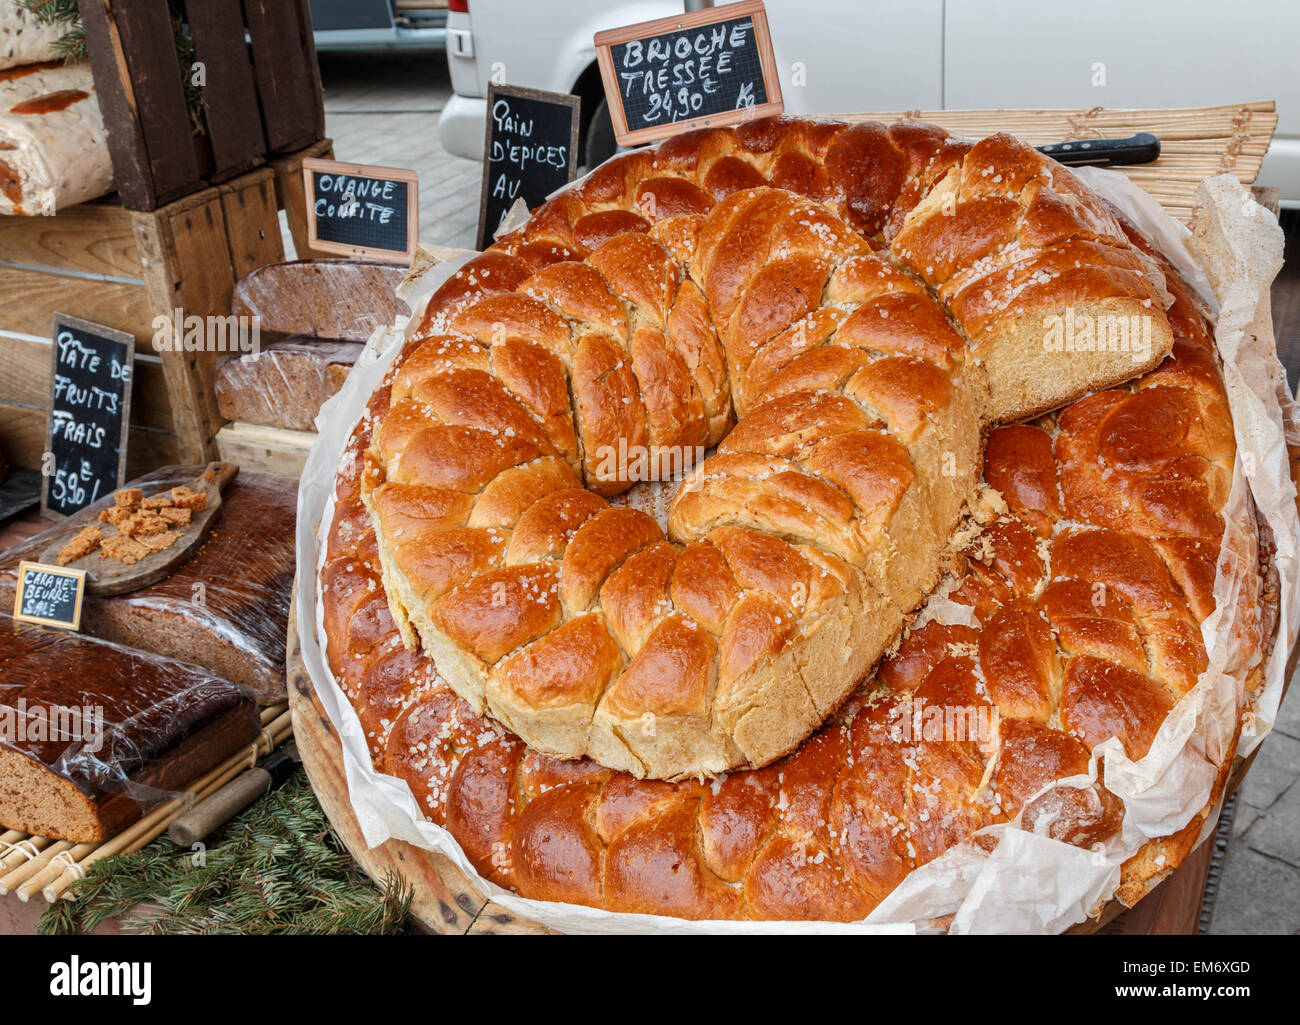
(1195, 142)
(35, 864)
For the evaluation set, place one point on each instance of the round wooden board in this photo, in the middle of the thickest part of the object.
(447, 901)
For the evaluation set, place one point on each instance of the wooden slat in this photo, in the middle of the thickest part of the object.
(252, 222)
(138, 85)
(1196, 142)
(292, 197)
(189, 268)
(496, 920)
(308, 36)
(94, 238)
(233, 122)
(25, 380)
(265, 449)
(31, 299)
(288, 90)
(23, 430)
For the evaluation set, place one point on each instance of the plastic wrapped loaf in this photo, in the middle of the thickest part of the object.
(227, 608)
(91, 731)
(286, 383)
(53, 150)
(23, 39)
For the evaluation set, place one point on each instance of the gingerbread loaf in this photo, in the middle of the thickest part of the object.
(93, 732)
(285, 383)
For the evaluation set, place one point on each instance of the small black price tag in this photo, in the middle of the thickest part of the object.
(530, 149)
(89, 414)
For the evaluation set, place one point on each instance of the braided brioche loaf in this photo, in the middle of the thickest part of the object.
(615, 334)
(1084, 601)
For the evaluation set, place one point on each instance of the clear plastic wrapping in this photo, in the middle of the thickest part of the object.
(227, 608)
(285, 383)
(92, 733)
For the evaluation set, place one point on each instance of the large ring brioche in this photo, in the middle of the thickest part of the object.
(615, 334)
(1073, 618)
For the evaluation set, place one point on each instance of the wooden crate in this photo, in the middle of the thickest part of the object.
(260, 99)
(124, 268)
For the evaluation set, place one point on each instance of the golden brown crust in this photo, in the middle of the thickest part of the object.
(1085, 618)
(610, 339)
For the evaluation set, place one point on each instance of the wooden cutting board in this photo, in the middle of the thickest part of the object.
(105, 576)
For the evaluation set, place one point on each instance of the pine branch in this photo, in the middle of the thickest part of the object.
(71, 46)
(47, 12)
(276, 868)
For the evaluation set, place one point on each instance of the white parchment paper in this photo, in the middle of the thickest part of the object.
(1029, 883)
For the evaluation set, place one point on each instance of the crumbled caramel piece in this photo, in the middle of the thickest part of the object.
(176, 517)
(142, 523)
(187, 499)
(159, 542)
(128, 498)
(86, 541)
(125, 550)
(157, 502)
(114, 515)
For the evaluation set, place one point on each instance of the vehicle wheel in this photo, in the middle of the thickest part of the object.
(601, 144)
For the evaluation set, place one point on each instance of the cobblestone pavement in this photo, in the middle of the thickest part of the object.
(384, 110)
(1259, 891)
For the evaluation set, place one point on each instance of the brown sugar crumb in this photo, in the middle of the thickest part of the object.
(142, 523)
(158, 502)
(128, 498)
(86, 541)
(125, 550)
(159, 542)
(176, 517)
(187, 499)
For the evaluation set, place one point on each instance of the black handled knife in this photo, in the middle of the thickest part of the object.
(1141, 148)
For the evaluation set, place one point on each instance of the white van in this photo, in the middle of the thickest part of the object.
(847, 55)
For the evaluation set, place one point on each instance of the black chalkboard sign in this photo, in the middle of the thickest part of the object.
(89, 414)
(50, 595)
(704, 69)
(530, 149)
(361, 210)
